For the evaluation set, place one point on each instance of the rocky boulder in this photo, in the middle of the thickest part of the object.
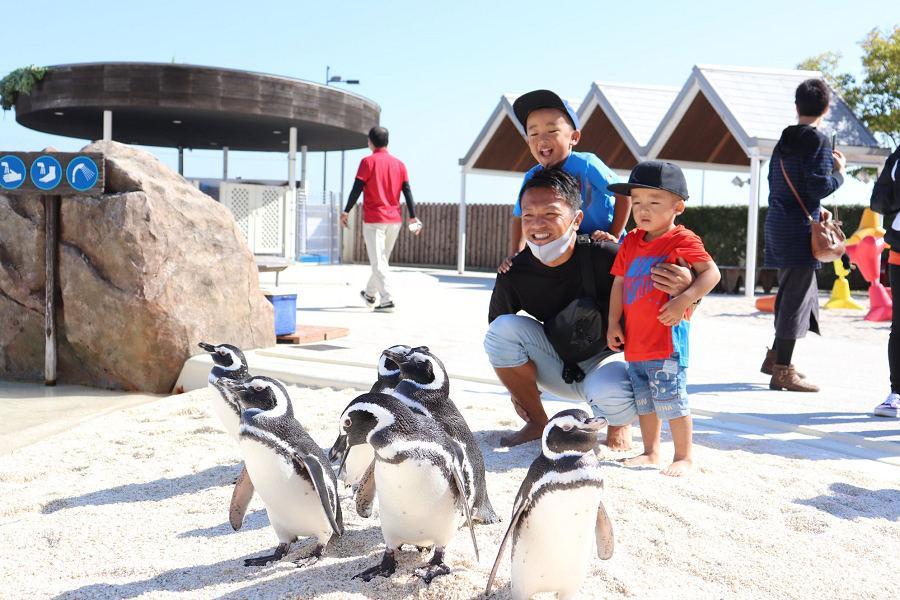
(146, 271)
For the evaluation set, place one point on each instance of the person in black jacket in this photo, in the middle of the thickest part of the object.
(886, 200)
(816, 170)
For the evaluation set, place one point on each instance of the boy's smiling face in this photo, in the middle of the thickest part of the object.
(655, 210)
(550, 136)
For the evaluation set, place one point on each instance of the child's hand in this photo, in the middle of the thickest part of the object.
(671, 313)
(603, 236)
(615, 337)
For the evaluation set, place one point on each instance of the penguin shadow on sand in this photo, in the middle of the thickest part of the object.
(156, 490)
(850, 502)
(500, 459)
(257, 519)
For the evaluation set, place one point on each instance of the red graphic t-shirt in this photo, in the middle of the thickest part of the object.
(384, 176)
(645, 337)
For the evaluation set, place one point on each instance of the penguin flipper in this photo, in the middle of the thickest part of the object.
(240, 499)
(604, 534)
(317, 475)
(365, 492)
(518, 509)
(455, 469)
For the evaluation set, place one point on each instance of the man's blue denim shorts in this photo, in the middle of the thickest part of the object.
(660, 386)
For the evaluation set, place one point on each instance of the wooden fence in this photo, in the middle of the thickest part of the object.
(487, 237)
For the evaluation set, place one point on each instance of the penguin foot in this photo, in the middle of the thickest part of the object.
(312, 558)
(261, 561)
(385, 568)
(435, 567)
(486, 515)
(423, 549)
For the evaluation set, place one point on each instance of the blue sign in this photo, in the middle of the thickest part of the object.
(46, 173)
(12, 172)
(82, 173)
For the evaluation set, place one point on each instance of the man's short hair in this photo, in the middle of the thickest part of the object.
(812, 98)
(378, 136)
(559, 181)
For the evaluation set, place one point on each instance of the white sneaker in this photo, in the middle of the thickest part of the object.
(890, 407)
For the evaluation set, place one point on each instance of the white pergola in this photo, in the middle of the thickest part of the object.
(723, 118)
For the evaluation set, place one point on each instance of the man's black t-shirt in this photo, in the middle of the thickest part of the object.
(544, 291)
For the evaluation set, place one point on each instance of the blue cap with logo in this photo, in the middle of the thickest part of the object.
(526, 103)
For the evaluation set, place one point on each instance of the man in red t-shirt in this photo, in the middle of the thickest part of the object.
(380, 179)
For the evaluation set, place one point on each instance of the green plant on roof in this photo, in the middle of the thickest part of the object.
(20, 81)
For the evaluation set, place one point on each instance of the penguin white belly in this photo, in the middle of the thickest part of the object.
(416, 504)
(291, 502)
(226, 415)
(359, 458)
(555, 543)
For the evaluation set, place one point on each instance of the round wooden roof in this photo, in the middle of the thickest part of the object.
(173, 105)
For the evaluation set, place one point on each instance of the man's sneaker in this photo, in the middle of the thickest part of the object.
(369, 300)
(385, 307)
(890, 407)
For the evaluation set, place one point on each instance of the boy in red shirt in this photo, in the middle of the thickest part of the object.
(655, 337)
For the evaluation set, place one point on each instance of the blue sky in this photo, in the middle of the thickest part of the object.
(436, 69)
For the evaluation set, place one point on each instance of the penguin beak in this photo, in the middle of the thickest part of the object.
(207, 347)
(395, 356)
(593, 424)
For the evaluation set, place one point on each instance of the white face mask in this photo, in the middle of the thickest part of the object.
(553, 251)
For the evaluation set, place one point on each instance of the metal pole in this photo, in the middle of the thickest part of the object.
(303, 180)
(702, 186)
(224, 162)
(107, 125)
(324, 174)
(461, 248)
(341, 199)
(290, 212)
(752, 226)
(181, 160)
(51, 248)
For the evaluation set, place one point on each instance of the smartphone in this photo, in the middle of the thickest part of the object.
(833, 141)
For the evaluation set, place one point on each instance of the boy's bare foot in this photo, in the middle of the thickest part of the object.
(678, 468)
(641, 459)
(530, 431)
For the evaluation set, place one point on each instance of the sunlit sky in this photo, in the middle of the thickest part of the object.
(436, 70)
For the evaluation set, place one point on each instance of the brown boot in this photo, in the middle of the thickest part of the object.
(769, 363)
(786, 378)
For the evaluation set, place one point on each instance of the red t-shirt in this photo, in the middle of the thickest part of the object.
(383, 176)
(645, 337)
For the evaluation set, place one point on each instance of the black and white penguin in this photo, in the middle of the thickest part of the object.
(290, 472)
(360, 457)
(229, 364)
(558, 514)
(419, 481)
(425, 388)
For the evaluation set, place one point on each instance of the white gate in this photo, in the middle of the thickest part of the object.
(260, 214)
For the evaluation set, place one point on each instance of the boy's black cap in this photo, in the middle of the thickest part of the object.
(653, 175)
(531, 101)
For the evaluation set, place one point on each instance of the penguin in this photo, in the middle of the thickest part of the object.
(360, 458)
(290, 472)
(425, 388)
(229, 364)
(557, 512)
(419, 480)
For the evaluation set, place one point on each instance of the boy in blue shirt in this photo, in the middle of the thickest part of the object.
(552, 129)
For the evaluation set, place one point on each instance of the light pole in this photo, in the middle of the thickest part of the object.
(329, 79)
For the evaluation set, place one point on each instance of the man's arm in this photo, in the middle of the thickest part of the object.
(358, 185)
(707, 277)
(516, 243)
(503, 300)
(671, 278)
(410, 207)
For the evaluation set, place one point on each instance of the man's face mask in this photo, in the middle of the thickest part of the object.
(553, 251)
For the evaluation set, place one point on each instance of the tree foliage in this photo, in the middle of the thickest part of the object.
(876, 98)
(20, 81)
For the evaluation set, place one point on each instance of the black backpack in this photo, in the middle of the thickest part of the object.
(578, 332)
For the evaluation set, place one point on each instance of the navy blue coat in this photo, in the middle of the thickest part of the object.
(806, 153)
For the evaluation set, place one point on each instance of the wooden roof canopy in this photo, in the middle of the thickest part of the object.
(174, 105)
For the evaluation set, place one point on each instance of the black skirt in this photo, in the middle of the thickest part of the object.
(797, 303)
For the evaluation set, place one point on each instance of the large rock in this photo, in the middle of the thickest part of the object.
(145, 272)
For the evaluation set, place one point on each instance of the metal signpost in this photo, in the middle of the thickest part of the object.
(51, 175)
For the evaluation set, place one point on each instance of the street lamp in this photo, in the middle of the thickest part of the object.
(329, 79)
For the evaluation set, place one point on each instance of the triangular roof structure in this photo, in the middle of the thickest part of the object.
(618, 119)
(724, 115)
(500, 147)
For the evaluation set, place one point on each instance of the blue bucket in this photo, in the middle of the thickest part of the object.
(285, 312)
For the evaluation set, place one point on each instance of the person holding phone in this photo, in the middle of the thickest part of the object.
(816, 169)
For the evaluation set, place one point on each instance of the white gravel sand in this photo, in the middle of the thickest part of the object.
(134, 504)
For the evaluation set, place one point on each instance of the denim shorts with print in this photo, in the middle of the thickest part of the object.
(660, 386)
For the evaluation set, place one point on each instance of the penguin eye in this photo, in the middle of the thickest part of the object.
(258, 388)
(566, 427)
(347, 423)
(221, 352)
